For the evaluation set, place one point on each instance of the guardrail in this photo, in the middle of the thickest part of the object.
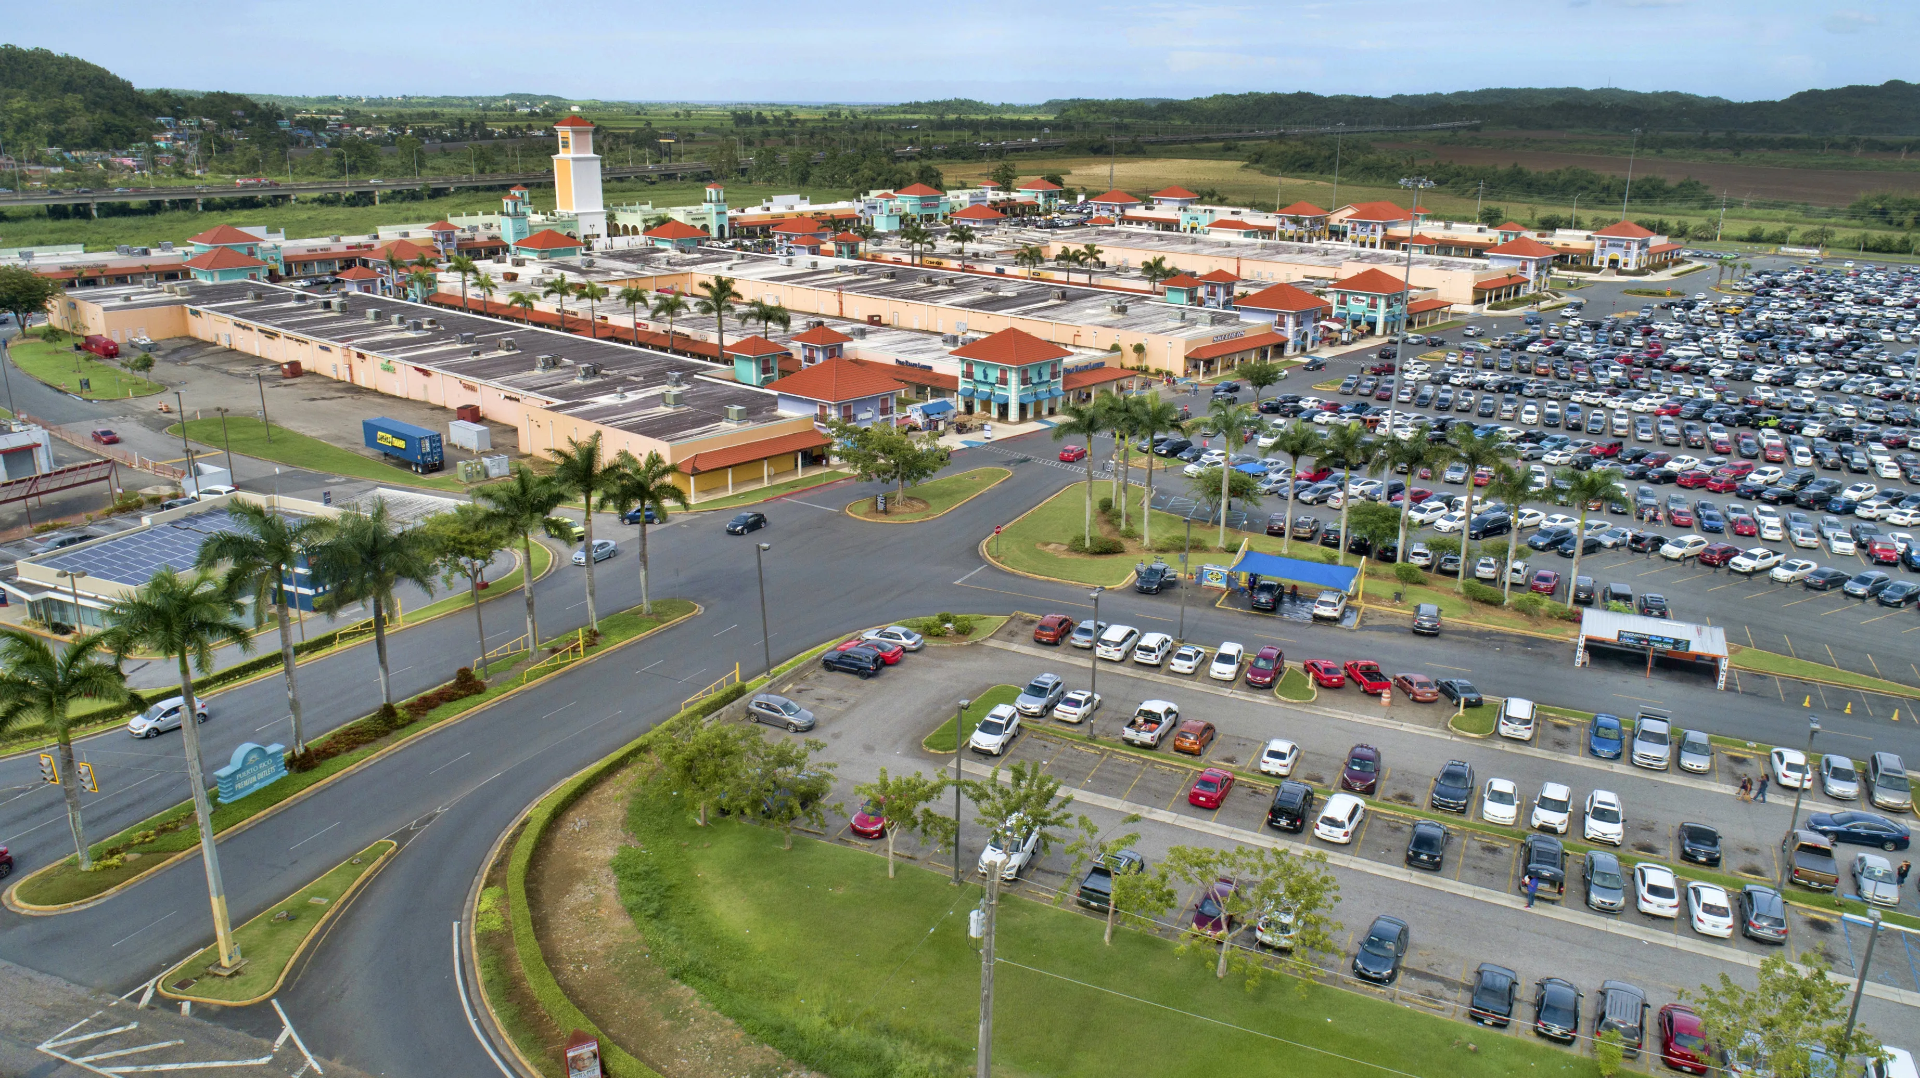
(365, 628)
(512, 647)
(560, 658)
(726, 680)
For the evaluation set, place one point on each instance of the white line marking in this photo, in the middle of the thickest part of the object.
(315, 835)
(964, 579)
(797, 501)
(137, 931)
(559, 709)
(287, 1024)
(275, 722)
(642, 670)
(460, 985)
(451, 762)
(729, 628)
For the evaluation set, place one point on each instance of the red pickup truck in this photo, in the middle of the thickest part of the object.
(1366, 674)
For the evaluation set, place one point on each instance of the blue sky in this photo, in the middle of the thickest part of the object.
(760, 50)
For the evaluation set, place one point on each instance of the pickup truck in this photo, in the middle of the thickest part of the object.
(1151, 724)
(1366, 674)
(1546, 860)
(1096, 891)
(1813, 864)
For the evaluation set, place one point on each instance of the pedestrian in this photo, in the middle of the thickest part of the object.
(1900, 877)
(1533, 888)
(1746, 788)
(1760, 792)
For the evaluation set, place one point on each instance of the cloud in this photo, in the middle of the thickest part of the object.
(1849, 21)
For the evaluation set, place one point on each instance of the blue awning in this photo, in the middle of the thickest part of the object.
(966, 391)
(1312, 573)
(933, 409)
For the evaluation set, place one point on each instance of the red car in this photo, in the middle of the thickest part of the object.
(1482, 476)
(1544, 582)
(1739, 469)
(1774, 452)
(1695, 477)
(1667, 409)
(1318, 474)
(1721, 484)
(1366, 674)
(1683, 1040)
(1745, 526)
(1210, 789)
(1073, 453)
(1722, 444)
(1324, 673)
(1418, 687)
(889, 652)
(1265, 668)
(1718, 553)
(1053, 629)
(1607, 449)
(1680, 516)
(1883, 552)
(870, 821)
(103, 436)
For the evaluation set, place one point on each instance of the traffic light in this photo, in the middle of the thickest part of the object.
(87, 780)
(49, 771)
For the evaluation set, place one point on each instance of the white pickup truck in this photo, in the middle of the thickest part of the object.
(1151, 724)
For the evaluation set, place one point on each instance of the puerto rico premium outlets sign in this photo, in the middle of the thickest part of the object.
(253, 768)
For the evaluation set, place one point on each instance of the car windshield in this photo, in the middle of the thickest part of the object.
(1379, 943)
(1361, 764)
(1606, 877)
(1605, 814)
(1039, 687)
(1652, 735)
(869, 807)
(1555, 804)
(1265, 662)
(992, 726)
(1499, 797)
(784, 707)
(1841, 774)
(1659, 889)
(1893, 781)
(1207, 784)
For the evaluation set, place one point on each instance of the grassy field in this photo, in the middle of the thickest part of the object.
(245, 434)
(1036, 543)
(271, 941)
(942, 739)
(934, 498)
(58, 365)
(1772, 662)
(1478, 721)
(1296, 686)
(816, 478)
(867, 976)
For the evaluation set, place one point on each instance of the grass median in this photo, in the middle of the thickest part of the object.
(245, 434)
(929, 500)
(761, 494)
(1787, 666)
(942, 739)
(1296, 686)
(58, 365)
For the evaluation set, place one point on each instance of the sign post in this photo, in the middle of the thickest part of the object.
(253, 767)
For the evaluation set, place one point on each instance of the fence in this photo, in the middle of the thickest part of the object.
(728, 679)
(512, 647)
(559, 658)
(84, 439)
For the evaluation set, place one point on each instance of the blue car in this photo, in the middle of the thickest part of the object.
(1604, 737)
(1860, 829)
(633, 515)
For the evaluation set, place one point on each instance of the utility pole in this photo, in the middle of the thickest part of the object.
(1479, 197)
(766, 635)
(1184, 578)
(958, 721)
(1575, 223)
(1853, 1012)
(1093, 656)
(261, 382)
(1721, 228)
(1629, 189)
(226, 441)
(185, 446)
(983, 1055)
(1786, 841)
(1336, 174)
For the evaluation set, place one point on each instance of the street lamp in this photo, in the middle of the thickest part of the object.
(1873, 936)
(225, 441)
(959, 717)
(1093, 653)
(73, 575)
(1416, 184)
(1786, 843)
(766, 637)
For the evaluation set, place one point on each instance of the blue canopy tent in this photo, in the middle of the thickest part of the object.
(1295, 571)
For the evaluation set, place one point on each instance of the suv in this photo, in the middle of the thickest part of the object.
(865, 662)
(1517, 718)
(1887, 785)
(1426, 619)
(1545, 860)
(1622, 1008)
(1292, 805)
(1652, 740)
(1330, 606)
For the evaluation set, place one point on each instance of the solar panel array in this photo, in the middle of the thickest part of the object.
(133, 557)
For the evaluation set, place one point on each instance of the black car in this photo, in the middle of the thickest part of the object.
(1150, 579)
(865, 662)
(1556, 1009)
(1699, 844)
(1172, 447)
(1494, 989)
(1825, 578)
(1427, 846)
(743, 523)
(1763, 914)
(1544, 858)
(1645, 541)
(1548, 538)
(1381, 950)
(1487, 525)
(1292, 807)
(1426, 619)
(1654, 605)
(1459, 690)
(1587, 545)
(1452, 787)
(1898, 594)
(1584, 590)
(1265, 595)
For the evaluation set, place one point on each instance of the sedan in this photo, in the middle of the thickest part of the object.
(1790, 770)
(1605, 818)
(1418, 687)
(1556, 1010)
(1683, 547)
(1385, 944)
(1279, 758)
(1226, 662)
(1077, 706)
(1898, 594)
(777, 710)
(1210, 788)
(1874, 881)
(1824, 579)
(743, 523)
(1838, 779)
(1861, 829)
(103, 436)
(1699, 843)
(1656, 891)
(871, 820)
(891, 654)
(1186, 659)
(1500, 802)
(1459, 691)
(1605, 737)
(1683, 1040)
(1073, 453)
(896, 634)
(1325, 673)
(1492, 999)
(602, 550)
(1792, 571)
(1361, 772)
(1710, 910)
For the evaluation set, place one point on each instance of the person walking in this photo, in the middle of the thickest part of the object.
(1746, 788)
(1900, 875)
(1760, 791)
(1533, 888)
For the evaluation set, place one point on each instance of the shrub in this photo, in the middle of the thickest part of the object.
(1331, 557)
(1619, 608)
(1101, 545)
(489, 913)
(1567, 613)
(1172, 546)
(1480, 593)
(1530, 604)
(1409, 575)
(1105, 505)
(464, 684)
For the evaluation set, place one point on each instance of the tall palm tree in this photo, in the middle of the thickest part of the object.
(1585, 488)
(962, 235)
(558, 290)
(719, 296)
(1349, 448)
(916, 237)
(1113, 410)
(425, 283)
(645, 485)
(1412, 454)
(466, 268)
(1152, 416)
(396, 269)
(1476, 452)
(38, 686)
(633, 299)
(1155, 270)
(261, 556)
(1296, 443)
(1089, 254)
(484, 284)
(520, 506)
(525, 303)
(1083, 421)
(1513, 487)
(580, 469)
(1029, 258)
(1230, 420)
(364, 557)
(593, 292)
(767, 314)
(669, 306)
(187, 618)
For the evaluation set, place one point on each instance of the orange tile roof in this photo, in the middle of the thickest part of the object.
(979, 213)
(804, 241)
(1012, 348)
(1623, 230)
(798, 226)
(1181, 280)
(675, 230)
(1115, 197)
(1522, 247)
(912, 375)
(920, 190)
(1513, 226)
(755, 345)
(516, 187)
(1094, 376)
(1377, 211)
(1220, 276)
(849, 237)
(443, 226)
(821, 335)
(1238, 344)
(575, 121)
(1282, 297)
(357, 273)
(1662, 248)
(715, 187)
(548, 240)
(1038, 185)
(1422, 306)
(223, 234)
(715, 459)
(1371, 281)
(1175, 192)
(223, 258)
(1100, 219)
(407, 250)
(1302, 209)
(1499, 282)
(1241, 226)
(836, 381)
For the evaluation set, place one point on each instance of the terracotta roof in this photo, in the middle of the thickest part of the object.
(849, 237)
(1522, 247)
(1371, 281)
(1012, 348)
(1181, 280)
(222, 234)
(1513, 226)
(798, 226)
(820, 335)
(836, 381)
(516, 187)
(1115, 197)
(357, 273)
(1241, 226)
(979, 213)
(1175, 192)
(548, 240)
(443, 226)
(1282, 297)
(1238, 345)
(1302, 209)
(804, 241)
(1377, 211)
(675, 230)
(715, 187)
(715, 459)
(407, 250)
(223, 258)
(575, 121)
(755, 345)
(919, 190)
(915, 376)
(1100, 219)
(1662, 248)
(1094, 376)
(1422, 306)
(1499, 282)
(1623, 230)
(1038, 185)
(1220, 276)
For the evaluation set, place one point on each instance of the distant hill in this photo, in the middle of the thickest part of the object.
(48, 99)
(1892, 108)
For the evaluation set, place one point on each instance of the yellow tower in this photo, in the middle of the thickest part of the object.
(576, 178)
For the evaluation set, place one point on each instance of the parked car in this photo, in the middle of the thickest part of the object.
(1838, 779)
(1279, 757)
(1656, 891)
(1292, 807)
(1860, 829)
(1194, 737)
(1096, 888)
(996, 731)
(1621, 1008)
(1606, 884)
(1605, 738)
(1452, 787)
(896, 634)
(1683, 1040)
(1186, 659)
(1053, 629)
(1459, 691)
(1325, 673)
(1605, 819)
(1696, 752)
(1340, 819)
(1556, 1009)
(776, 710)
(1381, 950)
(1492, 997)
(1077, 706)
(1426, 619)
(1361, 772)
(1552, 808)
(861, 661)
(1500, 801)
(1266, 667)
(1699, 843)
(1763, 914)
(1709, 910)
(1210, 787)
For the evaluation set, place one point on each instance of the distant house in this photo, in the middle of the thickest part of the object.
(839, 389)
(547, 243)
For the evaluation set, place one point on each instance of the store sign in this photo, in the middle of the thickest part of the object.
(1648, 640)
(253, 767)
(1213, 576)
(1229, 336)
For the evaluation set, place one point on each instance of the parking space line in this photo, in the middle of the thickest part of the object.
(1870, 621)
(1831, 655)
(1797, 602)
(1789, 641)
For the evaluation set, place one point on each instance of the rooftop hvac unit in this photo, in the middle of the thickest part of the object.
(373, 314)
(675, 378)
(786, 260)
(546, 362)
(142, 252)
(893, 275)
(671, 398)
(122, 249)
(253, 293)
(400, 319)
(927, 278)
(466, 338)
(959, 327)
(432, 323)
(813, 263)
(474, 353)
(1180, 316)
(333, 239)
(519, 261)
(587, 262)
(413, 325)
(301, 297)
(736, 413)
(588, 372)
(166, 245)
(816, 323)
(1059, 295)
(950, 339)
(859, 333)
(1117, 308)
(506, 344)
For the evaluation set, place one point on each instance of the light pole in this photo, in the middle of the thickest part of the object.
(959, 717)
(1786, 842)
(1093, 653)
(1873, 936)
(74, 576)
(1629, 188)
(261, 382)
(186, 448)
(1185, 551)
(1417, 184)
(983, 1054)
(225, 441)
(766, 637)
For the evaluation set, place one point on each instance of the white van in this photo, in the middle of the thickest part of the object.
(1516, 718)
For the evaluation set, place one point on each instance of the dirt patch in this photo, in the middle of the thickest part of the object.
(600, 958)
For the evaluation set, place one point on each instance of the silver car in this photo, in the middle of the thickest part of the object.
(1696, 752)
(164, 716)
(1874, 881)
(777, 710)
(896, 634)
(1038, 698)
(1838, 778)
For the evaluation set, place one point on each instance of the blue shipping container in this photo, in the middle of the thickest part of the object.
(418, 446)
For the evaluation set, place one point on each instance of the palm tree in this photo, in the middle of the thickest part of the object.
(1260, 374)
(1155, 270)
(424, 283)
(1348, 448)
(1029, 258)
(1296, 443)
(720, 296)
(364, 557)
(580, 469)
(633, 299)
(1083, 421)
(187, 618)
(1476, 452)
(36, 684)
(466, 268)
(1513, 487)
(1122, 420)
(645, 485)
(525, 303)
(519, 506)
(395, 270)
(1151, 416)
(593, 292)
(1089, 254)
(1070, 257)
(767, 314)
(1231, 420)
(559, 289)
(962, 235)
(261, 555)
(1585, 488)
(669, 306)
(915, 236)
(1413, 454)
(484, 284)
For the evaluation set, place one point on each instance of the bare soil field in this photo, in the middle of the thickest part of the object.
(1829, 187)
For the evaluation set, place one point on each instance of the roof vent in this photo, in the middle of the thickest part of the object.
(546, 362)
(1059, 295)
(373, 314)
(466, 338)
(166, 245)
(950, 339)
(893, 275)
(333, 239)
(432, 323)
(301, 297)
(506, 345)
(587, 262)
(253, 293)
(675, 378)
(1118, 307)
(413, 325)
(588, 372)
(859, 333)
(671, 398)
(736, 413)
(473, 353)
(400, 319)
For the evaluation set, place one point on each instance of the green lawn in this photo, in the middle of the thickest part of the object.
(941, 495)
(1296, 686)
(463, 598)
(1772, 662)
(818, 477)
(1477, 721)
(245, 434)
(270, 945)
(866, 976)
(942, 739)
(60, 366)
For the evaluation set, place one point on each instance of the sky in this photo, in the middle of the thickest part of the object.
(773, 50)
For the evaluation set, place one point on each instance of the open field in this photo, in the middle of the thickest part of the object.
(1739, 181)
(58, 365)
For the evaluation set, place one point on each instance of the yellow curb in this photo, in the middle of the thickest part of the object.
(325, 916)
(1906, 690)
(1005, 474)
(13, 902)
(472, 965)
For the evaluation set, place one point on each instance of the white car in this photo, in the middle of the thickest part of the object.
(1553, 809)
(1560, 520)
(1226, 661)
(1860, 491)
(1840, 543)
(1014, 848)
(1279, 757)
(1330, 606)
(1756, 560)
(1529, 518)
(1450, 521)
(1427, 512)
(996, 731)
(1077, 706)
(1152, 649)
(164, 716)
(1682, 547)
(1500, 801)
(1487, 568)
(1710, 910)
(896, 634)
(1655, 890)
(1790, 770)
(1117, 642)
(1768, 475)
(1186, 659)
(1340, 819)
(1606, 819)
(1792, 571)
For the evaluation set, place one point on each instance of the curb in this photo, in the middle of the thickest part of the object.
(1535, 633)
(11, 900)
(305, 941)
(1908, 691)
(471, 960)
(1006, 474)
(1003, 567)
